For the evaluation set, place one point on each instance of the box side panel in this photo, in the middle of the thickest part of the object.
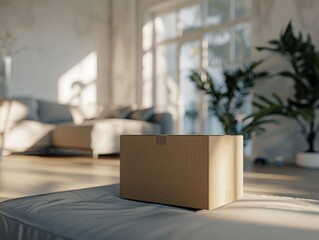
(239, 166)
(225, 169)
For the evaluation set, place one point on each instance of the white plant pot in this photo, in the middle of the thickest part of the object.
(308, 160)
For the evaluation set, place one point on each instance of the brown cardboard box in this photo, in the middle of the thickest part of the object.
(195, 171)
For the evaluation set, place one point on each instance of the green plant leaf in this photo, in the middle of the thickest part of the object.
(226, 99)
(303, 58)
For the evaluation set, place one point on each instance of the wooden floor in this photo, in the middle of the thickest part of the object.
(288, 181)
(29, 175)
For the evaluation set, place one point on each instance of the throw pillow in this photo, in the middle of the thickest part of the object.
(50, 112)
(142, 114)
(121, 112)
(31, 105)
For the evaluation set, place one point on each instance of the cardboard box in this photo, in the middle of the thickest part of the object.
(194, 171)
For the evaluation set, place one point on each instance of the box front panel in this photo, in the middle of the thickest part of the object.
(165, 169)
(130, 167)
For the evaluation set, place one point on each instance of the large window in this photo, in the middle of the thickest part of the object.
(209, 34)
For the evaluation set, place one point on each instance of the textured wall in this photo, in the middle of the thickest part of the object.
(57, 37)
(269, 18)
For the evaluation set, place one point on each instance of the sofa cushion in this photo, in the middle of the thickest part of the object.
(31, 105)
(119, 112)
(50, 112)
(142, 114)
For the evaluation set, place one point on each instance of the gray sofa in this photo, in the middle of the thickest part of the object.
(41, 125)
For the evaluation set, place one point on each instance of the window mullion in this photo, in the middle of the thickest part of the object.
(203, 17)
(179, 104)
(232, 46)
(232, 6)
(203, 108)
(154, 65)
(232, 32)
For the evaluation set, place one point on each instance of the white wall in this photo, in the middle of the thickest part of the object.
(56, 36)
(269, 18)
(124, 52)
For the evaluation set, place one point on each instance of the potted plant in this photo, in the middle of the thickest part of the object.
(303, 106)
(227, 98)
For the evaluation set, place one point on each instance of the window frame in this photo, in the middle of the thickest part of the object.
(179, 40)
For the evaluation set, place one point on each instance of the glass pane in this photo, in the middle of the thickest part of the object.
(161, 93)
(190, 99)
(167, 93)
(190, 56)
(242, 8)
(242, 42)
(147, 100)
(147, 65)
(147, 97)
(189, 59)
(166, 84)
(147, 35)
(165, 26)
(217, 74)
(217, 11)
(190, 18)
(218, 47)
(213, 126)
(166, 59)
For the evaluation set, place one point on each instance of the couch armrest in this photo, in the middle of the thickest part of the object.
(165, 120)
(11, 112)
